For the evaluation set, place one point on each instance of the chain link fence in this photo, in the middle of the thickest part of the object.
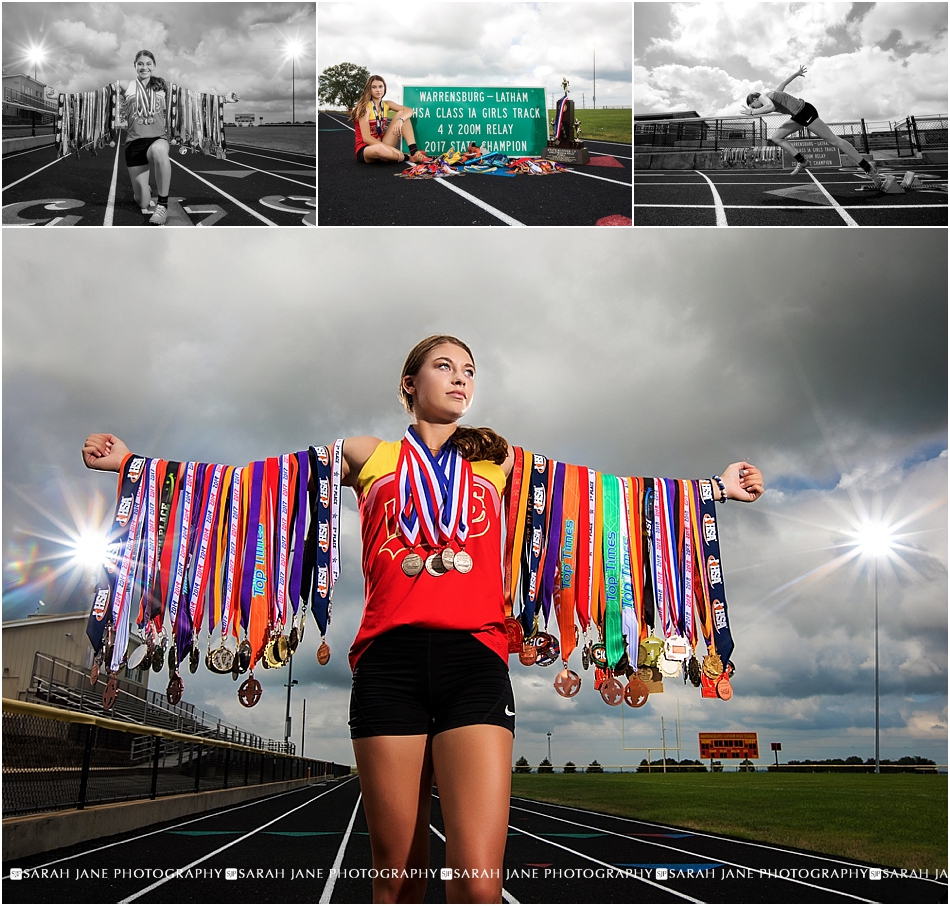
(55, 759)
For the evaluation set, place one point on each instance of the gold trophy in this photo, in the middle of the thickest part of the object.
(565, 145)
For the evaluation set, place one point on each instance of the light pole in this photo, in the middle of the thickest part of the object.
(875, 540)
(293, 48)
(303, 727)
(35, 55)
(290, 685)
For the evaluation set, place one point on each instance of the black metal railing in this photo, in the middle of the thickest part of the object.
(55, 759)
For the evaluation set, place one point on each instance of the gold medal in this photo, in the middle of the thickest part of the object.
(448, 558)
(282, 650)
(434, 565)
(712, 665)
(463, 562)
(412, 564)
(323, 654)
(567, 683)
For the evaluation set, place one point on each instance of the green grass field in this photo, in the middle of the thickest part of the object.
(897, 820)
(605, 125)
(302, 139)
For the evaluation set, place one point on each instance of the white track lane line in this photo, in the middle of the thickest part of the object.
(132, 897)
(110, 204)
(507, 897)
(696, 833)
(501, 215)
(717, 201)
(165, 830)
(28, 175)
(608, 154)
(796, 207)
(338, 861)
(271, 173)
(688, 852)
(603, 178)
(281, 159)
(240, 204)
(845, 216)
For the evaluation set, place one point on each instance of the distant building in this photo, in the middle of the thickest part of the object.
(22, 92)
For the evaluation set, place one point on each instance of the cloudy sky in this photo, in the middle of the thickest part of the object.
(644, 352)
(484, 44)
(216, 47)
(879, 61)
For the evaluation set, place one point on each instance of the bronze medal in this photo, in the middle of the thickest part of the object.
(412, 564)
(323, 654)
(515, 634)
(724, 687)
(94, 673)
(635, 693)
(528, 654)
(175, 690)
(712, 665)
(111, 693)
(434, 565)
(645, 674)
(612, 691)
(463, 562)
(194, 658)
(567, 683)
(250, 692)
(448, 558)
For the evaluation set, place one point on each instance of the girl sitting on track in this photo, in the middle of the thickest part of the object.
(803, 116)
(431, 695)
(145, 106)
(377, 142)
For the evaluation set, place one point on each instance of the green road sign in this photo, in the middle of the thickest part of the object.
(510, 120)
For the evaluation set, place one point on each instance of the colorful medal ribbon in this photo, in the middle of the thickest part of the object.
(686, 605)
(233, 569)
(205, 549)
(534, 540)
(512, 503)
(379, 114)
(634, 623)
(300, 529)
(629, 625)
(320, 532)
(713, 569)
(565, 594)
(671, 573)
(555, 515)
(612, 541)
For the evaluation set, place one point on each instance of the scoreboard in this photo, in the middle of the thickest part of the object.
(728, 745)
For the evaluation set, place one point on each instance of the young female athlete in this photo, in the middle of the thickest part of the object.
(146, 146)
(377, 139)
(431, 697)
(803, 116)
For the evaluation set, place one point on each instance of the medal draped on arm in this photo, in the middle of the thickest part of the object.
(198, 547)
(635, 561)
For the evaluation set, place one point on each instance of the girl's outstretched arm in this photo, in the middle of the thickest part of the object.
(792, 77)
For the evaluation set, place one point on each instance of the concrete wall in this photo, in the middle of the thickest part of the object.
(27, 141)
(32, 834)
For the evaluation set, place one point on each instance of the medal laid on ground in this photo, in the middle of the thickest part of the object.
(250, 692)
(567, 683)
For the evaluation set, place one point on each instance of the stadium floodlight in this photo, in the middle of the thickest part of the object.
(293, 49)
(35, 55)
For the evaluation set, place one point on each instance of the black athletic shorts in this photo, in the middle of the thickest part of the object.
(806, 116)
(413, 681)
(359, 154)
(136, 151)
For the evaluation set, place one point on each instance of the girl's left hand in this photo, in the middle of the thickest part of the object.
(801, 72)
(743, 482)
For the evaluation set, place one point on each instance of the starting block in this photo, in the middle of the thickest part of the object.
(890, 185)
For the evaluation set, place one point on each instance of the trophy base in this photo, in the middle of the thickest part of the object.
(575, 153)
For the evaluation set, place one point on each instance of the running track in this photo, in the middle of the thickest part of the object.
(291, 842)
(737, 198)
(252, 187)
(353, 194)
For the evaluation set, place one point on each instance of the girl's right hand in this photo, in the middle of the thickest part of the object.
(104, 452)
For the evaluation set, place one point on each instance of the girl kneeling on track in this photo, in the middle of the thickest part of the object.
(146, 145)
(377, 139)
(431, 695)
(803, 116)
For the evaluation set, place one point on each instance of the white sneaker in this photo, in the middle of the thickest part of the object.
(799, 167)
(160, 215)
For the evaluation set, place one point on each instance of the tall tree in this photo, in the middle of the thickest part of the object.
(342, 85)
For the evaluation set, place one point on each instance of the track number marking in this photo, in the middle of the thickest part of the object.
(11, 213)
(277, 202)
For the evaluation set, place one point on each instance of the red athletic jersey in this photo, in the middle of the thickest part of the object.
(472, 601)
(372, 126)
